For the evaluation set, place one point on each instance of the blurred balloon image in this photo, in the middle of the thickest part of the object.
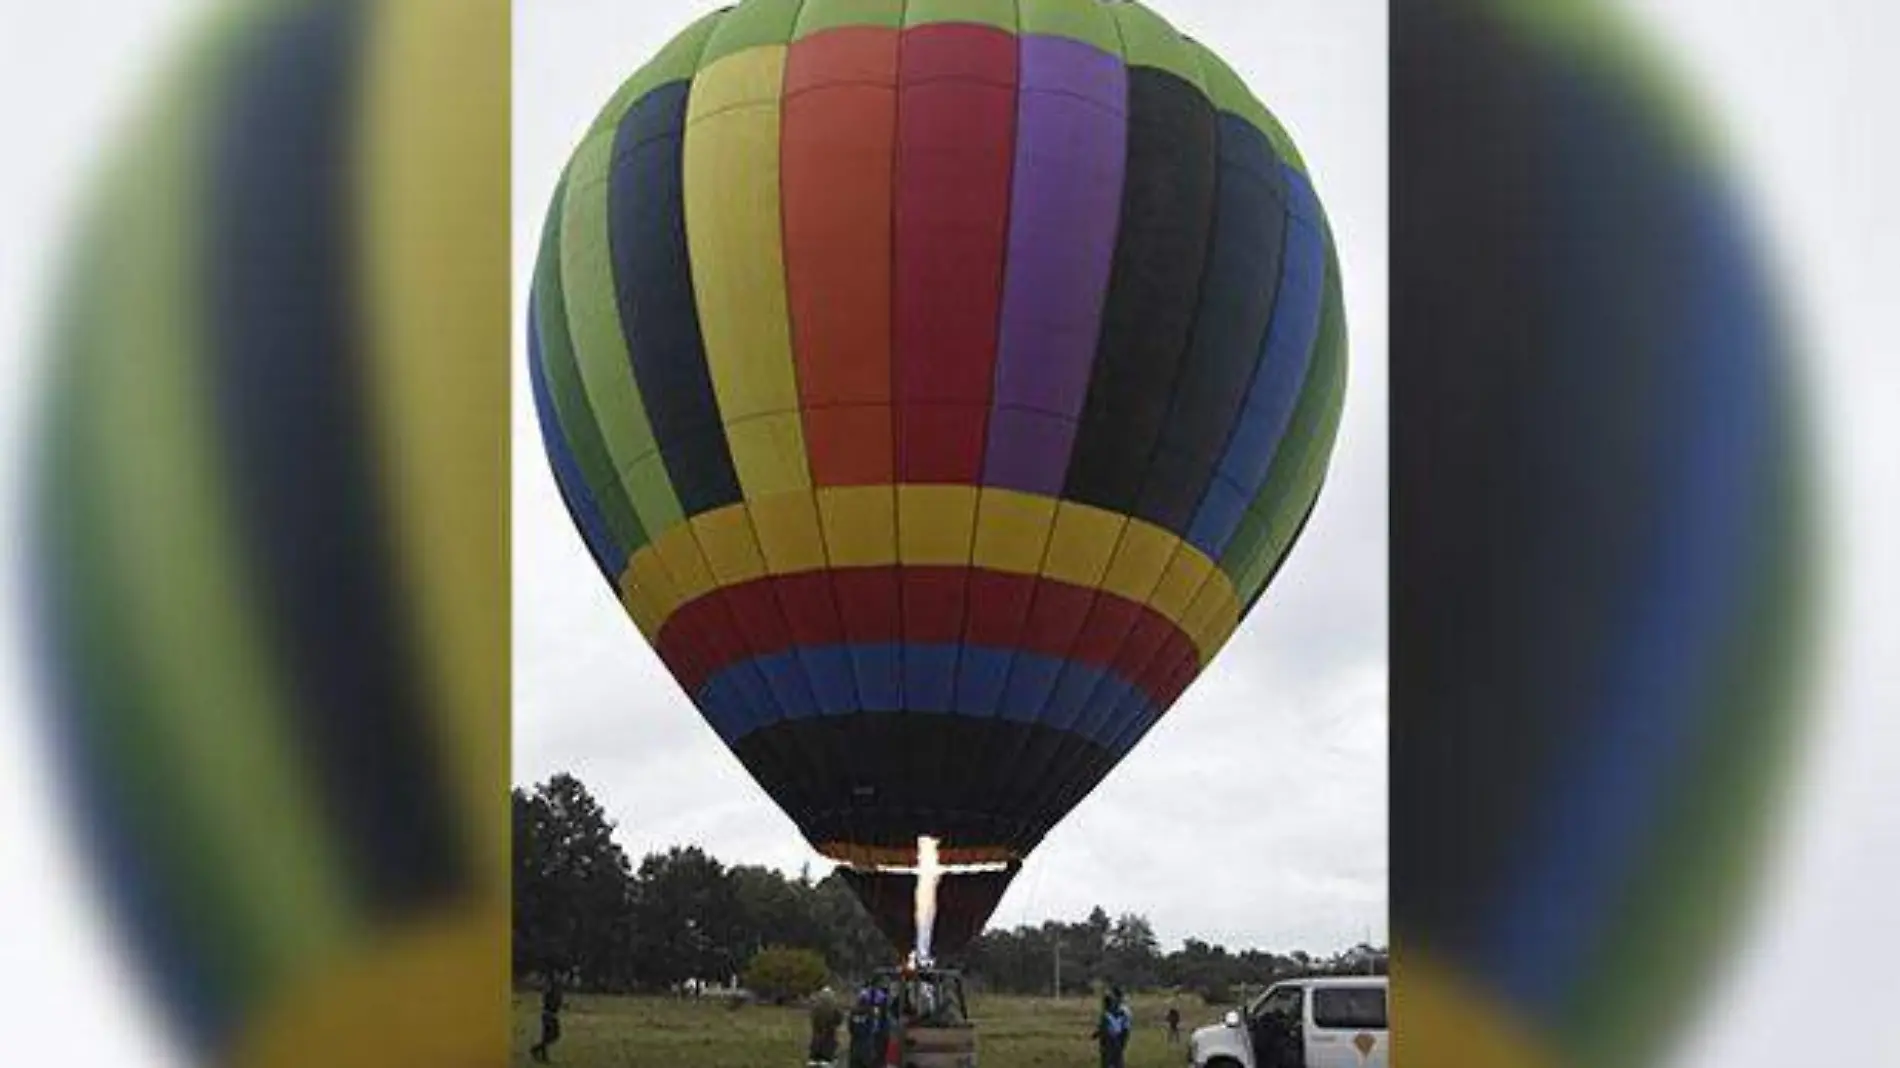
(1602, 515)
(938, 385)
(270, 540)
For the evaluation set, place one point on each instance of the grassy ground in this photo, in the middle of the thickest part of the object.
(664, 1033)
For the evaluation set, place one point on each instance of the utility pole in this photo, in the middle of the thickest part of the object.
(1057, 994)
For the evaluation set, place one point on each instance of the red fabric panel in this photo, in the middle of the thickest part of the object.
(998, 608)
(956, 159)
(1175, 651)
(850, 446)
(1143, 645)
(1056, 618)
(839, 144)
(1109, 621)
(753, 606)
(869, 601)
(811, 611)
(933, 604)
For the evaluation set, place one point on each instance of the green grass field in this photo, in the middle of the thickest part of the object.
(601, 1032)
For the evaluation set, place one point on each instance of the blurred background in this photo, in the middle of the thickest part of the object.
(1643, 355)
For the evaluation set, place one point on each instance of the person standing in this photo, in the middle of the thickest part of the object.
(826, 1018)
(1174, 1025)
(868, 1030)
(553, 1000)
(1112, 1031)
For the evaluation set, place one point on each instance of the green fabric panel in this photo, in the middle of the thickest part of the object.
(104, 689)
(564, 386)
(1298, 471)
(1250, 538)
(1230, 94)
(207, 716)
(677, 62)
(600, 347)
(1148, 40)
(822, 15)
(753, 24)
(998, 13)
(1088, 21)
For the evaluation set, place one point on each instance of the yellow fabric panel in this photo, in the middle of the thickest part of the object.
(647, 574)
(736, 234)
(1082, 544)
(1440, 1018)
(936, 525)
(1139, 561)
(789, 535)
(442, 402)
(1185, 575)
(647, 613)
(685, 562)
(746, 78)
(769, 454)
(860, 525)
(1217, 637)
(1012, 531)
(732, 552)
(1212, 616)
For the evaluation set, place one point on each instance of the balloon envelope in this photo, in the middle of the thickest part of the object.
(938, 385)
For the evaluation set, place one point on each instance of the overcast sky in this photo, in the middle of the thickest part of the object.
(1255, 815)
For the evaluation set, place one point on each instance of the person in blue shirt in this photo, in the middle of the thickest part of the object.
(1112, 1030)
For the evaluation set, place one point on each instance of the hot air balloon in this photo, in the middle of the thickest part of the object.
(1601, 516)
(938, 385)
(269, 580)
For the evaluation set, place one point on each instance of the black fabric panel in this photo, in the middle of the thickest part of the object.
(1237, 298)
(883, 784)
(295, 415)
(1053, 773)
(1525, 491)
(1154, 291)
(659, 313)
(965, 903)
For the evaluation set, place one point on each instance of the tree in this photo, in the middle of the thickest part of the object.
(572, 885)
(781, 974)
(688, 920)
(580, 907)
(1133, 953)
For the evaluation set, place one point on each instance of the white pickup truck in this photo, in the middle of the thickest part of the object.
(1330, 1022)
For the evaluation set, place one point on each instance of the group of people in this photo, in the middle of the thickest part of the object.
(869, 1027)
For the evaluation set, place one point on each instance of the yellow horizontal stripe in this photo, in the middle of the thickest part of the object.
(933, 526)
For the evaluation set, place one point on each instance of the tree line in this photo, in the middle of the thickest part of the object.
(584, 909)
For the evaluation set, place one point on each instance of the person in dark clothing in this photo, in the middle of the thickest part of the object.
(870, 1029)
(1174, 1025)
(826, 1018)
(1112, 1030)
(553, 1000)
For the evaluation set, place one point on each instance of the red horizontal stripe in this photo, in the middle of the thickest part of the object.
(928, 605)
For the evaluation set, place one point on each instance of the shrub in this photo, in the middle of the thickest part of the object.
(780, 974)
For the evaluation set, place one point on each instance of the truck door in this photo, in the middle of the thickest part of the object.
(1276, 1029)
(1347, 1028)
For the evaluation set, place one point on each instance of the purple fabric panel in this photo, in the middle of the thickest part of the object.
(1072, 148)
